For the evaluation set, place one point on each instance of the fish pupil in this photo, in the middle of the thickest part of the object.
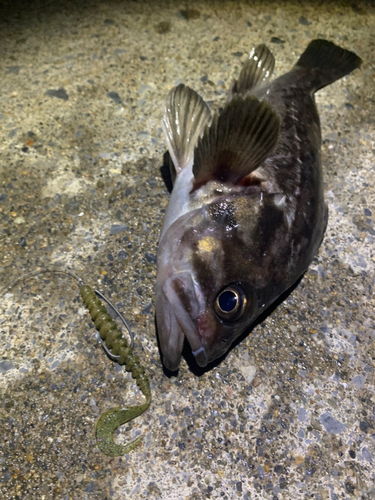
(228, 301)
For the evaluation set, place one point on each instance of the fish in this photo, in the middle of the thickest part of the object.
(247, 214)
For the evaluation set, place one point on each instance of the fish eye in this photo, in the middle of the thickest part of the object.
(230, 303)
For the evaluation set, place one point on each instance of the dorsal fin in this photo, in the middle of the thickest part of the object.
(256, 71)
(185, 116)
(237, 142)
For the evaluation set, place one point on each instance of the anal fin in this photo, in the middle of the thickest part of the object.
(256, 71)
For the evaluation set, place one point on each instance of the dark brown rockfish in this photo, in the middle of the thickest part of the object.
(247, 212)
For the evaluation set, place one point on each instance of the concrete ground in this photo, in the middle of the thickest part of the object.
(290, 412)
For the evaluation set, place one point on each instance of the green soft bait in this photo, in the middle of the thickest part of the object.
(118, 349)
(121, 352)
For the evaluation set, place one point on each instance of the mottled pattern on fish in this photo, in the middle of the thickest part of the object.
(247, 212)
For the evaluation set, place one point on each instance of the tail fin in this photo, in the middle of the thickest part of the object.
(328, 61)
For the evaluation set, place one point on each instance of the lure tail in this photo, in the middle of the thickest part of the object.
(327, 63)
(112, 420)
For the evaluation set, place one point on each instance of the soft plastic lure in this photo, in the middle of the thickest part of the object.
(122, 352)
(118, 349)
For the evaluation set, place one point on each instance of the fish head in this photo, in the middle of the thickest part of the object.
(210, 253)
(202, 289)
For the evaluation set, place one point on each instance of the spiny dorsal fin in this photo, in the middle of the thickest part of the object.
(237, 142)
(185, 116)
(256, 71)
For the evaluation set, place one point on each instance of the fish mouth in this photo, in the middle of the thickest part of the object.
(180, 319)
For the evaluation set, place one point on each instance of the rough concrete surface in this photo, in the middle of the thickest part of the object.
(290, 412)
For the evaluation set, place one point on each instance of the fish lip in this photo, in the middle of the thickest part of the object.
(200, 357)
(170, 337)
(180, 293)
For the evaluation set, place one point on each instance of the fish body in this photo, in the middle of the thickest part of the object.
(247, 213)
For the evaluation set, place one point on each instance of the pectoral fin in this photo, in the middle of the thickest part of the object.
(237, 142)
(185, 116)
